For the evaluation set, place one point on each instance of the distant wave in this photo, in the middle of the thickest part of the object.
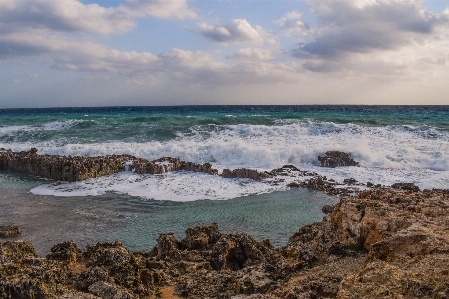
(51, 126)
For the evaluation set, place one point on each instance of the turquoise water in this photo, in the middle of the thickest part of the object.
(391, 143)
(137, 223)
(140, 124)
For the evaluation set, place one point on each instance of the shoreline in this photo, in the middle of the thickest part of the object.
(79, 168)
(382, 242)
(47, 220)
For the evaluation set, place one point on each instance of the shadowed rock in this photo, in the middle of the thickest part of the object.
(405, 186)
(244, 173)
(7, 231)
(335, 159)
(382, 243)
(76, 168)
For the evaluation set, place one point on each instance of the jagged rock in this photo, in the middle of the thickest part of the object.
(335, 159)
(62, 168)
(109, 291)
(405, 186)
(168, 246)
(76, 168)
(244, 173)
(327, 209)
(382, 243)
(199, 237)
(7, 231)
(321, 183)
(66, 251)
(350, 181)
(206, 167)
(293, 185)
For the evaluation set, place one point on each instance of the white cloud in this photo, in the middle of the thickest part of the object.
(292, 24)
(352, 34)
(238, 30)
(72, 15)
(158, 8)
(253, 54)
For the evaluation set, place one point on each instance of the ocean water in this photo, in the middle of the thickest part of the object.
(391, 143)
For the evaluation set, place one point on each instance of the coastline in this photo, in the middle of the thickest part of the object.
(378, 244)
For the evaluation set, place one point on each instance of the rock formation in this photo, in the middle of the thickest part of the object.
(244, 173)
(7, 231)
(76, 168)
(382, 243)
(336, 159)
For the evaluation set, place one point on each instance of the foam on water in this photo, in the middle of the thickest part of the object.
(389, 154)
(50, 126)
(180, 186)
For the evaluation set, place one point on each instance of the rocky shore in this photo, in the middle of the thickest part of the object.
(77, 168)
(382, 243)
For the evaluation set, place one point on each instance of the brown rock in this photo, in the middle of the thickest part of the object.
(244, 173)
(7, 231)
(335, 159)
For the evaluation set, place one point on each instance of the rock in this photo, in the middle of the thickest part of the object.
(293, 185)
(405, 186)
(76, 168)
(350, 181)
(66, 251)
(108, 291)
(244, 173)
(168, 246)
(327, 209)
(206, 167)
(382, 243)
(335, 159)
(290, 167)
(9, 231)
(199, 237)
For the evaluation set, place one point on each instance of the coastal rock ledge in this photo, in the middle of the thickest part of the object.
(382, 243)
(77, 168)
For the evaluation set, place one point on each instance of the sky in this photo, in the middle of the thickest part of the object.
(69, 53)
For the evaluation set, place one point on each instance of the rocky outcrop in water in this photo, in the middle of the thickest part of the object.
(382, 243)
(405, 186)
(76, 168)
(7, 231)
(244, 173)
(336, 159)
(62, 168)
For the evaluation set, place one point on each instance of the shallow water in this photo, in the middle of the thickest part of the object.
(137, 223)
(391, 143)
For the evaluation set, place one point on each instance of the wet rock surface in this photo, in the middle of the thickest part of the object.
(76, 168)
(335, 159)
(382, 243)
(7, 231)
(244, 173)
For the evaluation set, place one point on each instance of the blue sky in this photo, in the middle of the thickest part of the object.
(57, 53)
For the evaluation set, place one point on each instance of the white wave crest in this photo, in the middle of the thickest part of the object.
(385, 154)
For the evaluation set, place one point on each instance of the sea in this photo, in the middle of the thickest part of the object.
(391, 143)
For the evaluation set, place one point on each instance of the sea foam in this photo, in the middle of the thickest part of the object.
(386, 155)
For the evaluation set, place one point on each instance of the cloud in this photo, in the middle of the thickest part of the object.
(72, 15)
(159, 8)
(253, 54)
(373, 29)
(291, 23)
(238, 30)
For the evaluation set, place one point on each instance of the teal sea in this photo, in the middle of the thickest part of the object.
(391, 143)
